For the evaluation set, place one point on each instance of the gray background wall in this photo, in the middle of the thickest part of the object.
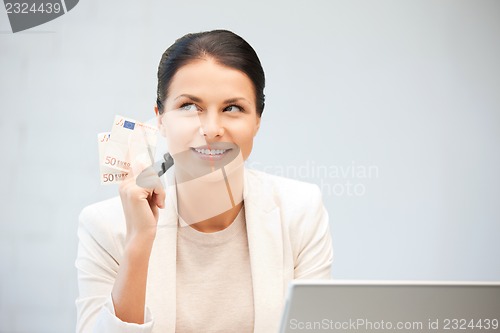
(405, 93)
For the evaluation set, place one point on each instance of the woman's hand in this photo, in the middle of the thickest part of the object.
(140, 206)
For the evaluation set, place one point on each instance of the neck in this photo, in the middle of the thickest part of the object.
(219, 222)
(211, 203)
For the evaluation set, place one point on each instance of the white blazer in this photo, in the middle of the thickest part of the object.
(288, 238)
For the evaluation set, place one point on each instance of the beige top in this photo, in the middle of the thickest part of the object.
(214, 280)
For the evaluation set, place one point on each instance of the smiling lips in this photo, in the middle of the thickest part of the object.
(213, 152)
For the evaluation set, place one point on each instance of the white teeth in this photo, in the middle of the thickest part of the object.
(211, 151)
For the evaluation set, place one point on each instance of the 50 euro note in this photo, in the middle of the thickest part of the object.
(107, 175)
(129, 144)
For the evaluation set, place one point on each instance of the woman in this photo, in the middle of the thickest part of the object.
(215, 250)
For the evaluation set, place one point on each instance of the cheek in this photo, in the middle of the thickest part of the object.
(179, 132)
(243, 136)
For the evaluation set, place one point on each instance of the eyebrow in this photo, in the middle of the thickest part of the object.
(199, 100)
(191, 97)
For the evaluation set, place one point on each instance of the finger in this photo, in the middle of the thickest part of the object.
(125, 184)
(159, 196)
(153, 206)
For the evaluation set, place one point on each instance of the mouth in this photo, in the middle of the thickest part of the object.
(213, 152)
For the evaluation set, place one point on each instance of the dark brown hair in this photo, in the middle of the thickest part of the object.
(223, 46)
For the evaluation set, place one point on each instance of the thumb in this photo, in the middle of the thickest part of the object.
(160, 196)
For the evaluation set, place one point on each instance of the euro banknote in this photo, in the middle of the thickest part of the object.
(130, 144)
(107, 175)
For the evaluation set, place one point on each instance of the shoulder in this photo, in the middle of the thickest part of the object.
(104, 221)
(284, 189)
(294, 198)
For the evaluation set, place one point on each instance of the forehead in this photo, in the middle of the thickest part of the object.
(207, 79)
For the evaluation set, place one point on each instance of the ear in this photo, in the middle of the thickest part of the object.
(257, 126)
(160, 120)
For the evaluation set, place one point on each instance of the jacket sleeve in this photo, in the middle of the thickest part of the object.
(314, 260)
(97, 266)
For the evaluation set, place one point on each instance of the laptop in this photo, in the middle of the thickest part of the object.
(391, 306)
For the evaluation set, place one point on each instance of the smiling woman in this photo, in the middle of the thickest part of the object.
(215, 250)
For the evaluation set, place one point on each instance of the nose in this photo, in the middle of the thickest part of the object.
(211, 126)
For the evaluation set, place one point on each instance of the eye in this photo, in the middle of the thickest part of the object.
(233, 108)
(189, 107)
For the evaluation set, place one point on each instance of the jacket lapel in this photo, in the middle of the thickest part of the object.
(265, 242)
(161, 285)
